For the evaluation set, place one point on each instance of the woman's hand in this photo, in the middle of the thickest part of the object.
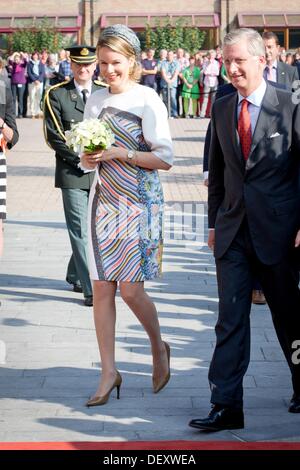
(114, 153)
(91, 160)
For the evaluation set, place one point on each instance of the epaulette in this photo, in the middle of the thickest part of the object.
(100, 83)
(47, 103)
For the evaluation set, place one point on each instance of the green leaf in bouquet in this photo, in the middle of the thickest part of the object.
(94, 148)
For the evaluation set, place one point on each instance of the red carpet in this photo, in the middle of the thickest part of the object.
(150, 445)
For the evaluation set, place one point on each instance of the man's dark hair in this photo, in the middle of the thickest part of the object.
(270, 35)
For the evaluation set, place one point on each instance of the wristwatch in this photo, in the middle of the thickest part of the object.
(131, 154)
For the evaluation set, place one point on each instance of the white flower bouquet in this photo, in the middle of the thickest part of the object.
(89, 135)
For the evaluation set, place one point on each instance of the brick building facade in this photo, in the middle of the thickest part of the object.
(82, 20)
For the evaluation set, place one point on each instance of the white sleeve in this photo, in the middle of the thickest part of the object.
(156, 127)
(90, 111)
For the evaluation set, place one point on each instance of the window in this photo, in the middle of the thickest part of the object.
(5, 22)
(137, 21)
(23, 22)
(248, 21)
(67, 21)
(274, 20)
(294, 38)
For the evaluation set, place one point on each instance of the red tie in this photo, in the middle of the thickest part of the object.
(244, 129)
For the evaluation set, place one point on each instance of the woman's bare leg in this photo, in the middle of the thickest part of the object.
(105, 318)
(139, 302)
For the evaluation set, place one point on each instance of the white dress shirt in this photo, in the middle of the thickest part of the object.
(255, 100)
(87, 87)
(271, 72)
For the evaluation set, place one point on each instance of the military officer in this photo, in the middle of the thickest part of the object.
(64, 106)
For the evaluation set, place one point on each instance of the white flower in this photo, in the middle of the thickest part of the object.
(90, 134)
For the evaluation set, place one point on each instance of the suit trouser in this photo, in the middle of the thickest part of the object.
(75, 203)
(235, 273)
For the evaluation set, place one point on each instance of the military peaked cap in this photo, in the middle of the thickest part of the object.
(82, 54)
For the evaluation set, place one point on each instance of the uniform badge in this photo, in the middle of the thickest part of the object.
(74, 96)
(84, 51)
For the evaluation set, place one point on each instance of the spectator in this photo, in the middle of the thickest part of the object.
(149, 70)
(18, 64)
(190, 89)
(211, 70)
(65, 65)
(275, 70)
(36, 75)
(162, 57)
(169, 81)
(4, 75)
(183, 63)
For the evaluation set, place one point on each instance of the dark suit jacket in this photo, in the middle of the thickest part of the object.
(286, 75)
(7, 112)
(223, 91)
(266, 187)
(64, 107)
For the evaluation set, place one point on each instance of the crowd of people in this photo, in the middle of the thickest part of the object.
(113, 199)
(186, 82)
(30, 75)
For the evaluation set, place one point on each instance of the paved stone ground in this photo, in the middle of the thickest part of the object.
(52, 364)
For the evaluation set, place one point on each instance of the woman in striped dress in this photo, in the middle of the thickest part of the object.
(126, 203)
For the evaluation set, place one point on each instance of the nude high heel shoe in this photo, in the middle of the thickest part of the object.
(160, 382)
(97, 401)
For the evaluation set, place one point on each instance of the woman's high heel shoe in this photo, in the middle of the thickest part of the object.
(160, 382)
(97, 401)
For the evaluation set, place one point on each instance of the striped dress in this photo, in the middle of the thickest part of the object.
(126, 201)
(2, 182)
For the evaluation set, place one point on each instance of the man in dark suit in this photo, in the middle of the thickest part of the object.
(254, 221)
(64, 106)
(277, 71)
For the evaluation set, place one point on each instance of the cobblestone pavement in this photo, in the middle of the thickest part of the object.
(51, 364)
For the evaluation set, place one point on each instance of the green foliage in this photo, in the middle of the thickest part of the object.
(172, 36)
(43, 36)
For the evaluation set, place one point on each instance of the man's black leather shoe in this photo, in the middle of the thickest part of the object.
(220, 418)
(88, 301)
(295, 404)
(76, 287)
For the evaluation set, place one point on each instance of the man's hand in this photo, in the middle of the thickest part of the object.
(211, 238)
(297, 241)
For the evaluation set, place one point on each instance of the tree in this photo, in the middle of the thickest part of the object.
(43, 36)
(172, 36)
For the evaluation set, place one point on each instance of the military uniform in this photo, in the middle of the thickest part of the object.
(64, 106)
